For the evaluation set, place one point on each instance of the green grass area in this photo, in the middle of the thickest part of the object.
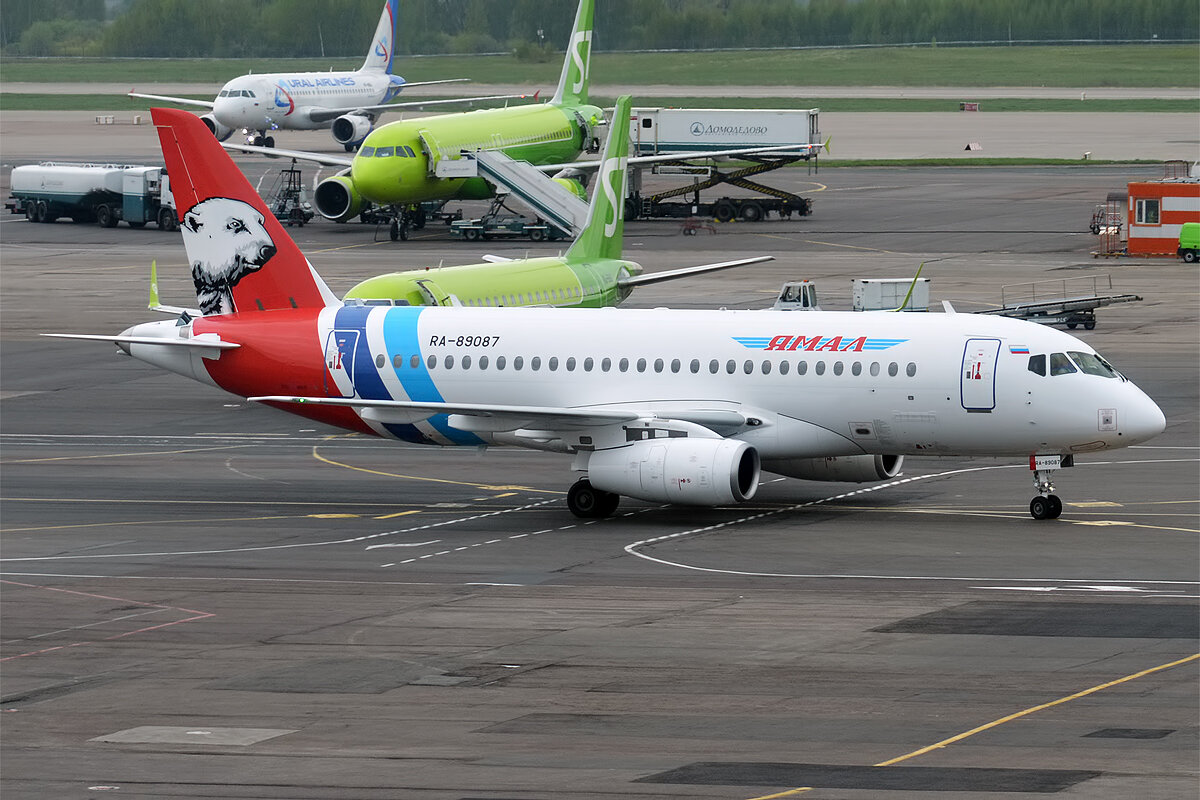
(1103, 65)
(856, 104)
(121, 104)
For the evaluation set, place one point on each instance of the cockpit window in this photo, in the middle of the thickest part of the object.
(366, 152)
(1037, 364)
(247, 93)
(384, 152)
(223, 93)
(1092, 364)
(1060, 364)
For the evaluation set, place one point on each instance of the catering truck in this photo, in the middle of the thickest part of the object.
(101, 193)
(696, 131)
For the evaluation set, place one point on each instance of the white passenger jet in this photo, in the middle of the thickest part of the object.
(348, 103)
(667, 406)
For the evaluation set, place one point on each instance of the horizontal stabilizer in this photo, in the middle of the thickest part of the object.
(208, 344)
(685, 272)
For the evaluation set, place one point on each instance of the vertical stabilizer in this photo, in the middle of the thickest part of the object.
(241, 257)
(604, 231)
(383, 44)
(573, 82)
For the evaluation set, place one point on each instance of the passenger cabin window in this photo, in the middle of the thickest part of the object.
(1060, 364)
(1037, 364)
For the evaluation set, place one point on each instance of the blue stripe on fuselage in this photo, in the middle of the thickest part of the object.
(367, 382)
(400, 337)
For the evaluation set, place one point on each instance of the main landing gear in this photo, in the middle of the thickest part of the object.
(587, 502)
(258, 138)
(404, 219)
(1046, 505)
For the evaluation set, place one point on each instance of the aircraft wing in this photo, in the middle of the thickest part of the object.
(187, 101)
(326, 114)
(691, 156)
(495, 418)
(479, 416)
(301, 155)
(684, 272)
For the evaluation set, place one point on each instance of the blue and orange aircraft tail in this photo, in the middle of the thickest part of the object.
(242, 259)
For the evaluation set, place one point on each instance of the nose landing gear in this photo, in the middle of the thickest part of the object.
(1046, 505)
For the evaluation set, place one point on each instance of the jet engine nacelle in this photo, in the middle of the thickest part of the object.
(688, 471)
(851, 469)
(218, 130)
(351, 129)
(574, 186)
(337, 199)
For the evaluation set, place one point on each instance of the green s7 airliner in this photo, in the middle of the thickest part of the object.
(590, 274)
(405, 162)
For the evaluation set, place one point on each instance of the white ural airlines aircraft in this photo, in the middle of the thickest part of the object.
(348, 103)
(668, 406)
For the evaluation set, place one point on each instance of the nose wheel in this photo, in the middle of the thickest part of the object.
(1046, 505)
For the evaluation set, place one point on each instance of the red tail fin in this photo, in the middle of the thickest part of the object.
(242, 259)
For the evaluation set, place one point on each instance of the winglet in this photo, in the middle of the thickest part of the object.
(153, 285)
(912, 286)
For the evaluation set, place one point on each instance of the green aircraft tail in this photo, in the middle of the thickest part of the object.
(602, 235)
(573, 82)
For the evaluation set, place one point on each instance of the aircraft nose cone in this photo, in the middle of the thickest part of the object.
(1143, 421)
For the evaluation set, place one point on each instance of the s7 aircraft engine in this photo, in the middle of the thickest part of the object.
(218, 130)
(337, 199)
(574, 186)
(851, 469)
(350, 129)
(688, 471)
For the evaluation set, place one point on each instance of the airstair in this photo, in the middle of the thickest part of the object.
(550, 200)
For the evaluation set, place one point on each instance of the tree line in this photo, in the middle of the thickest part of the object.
(538, 28)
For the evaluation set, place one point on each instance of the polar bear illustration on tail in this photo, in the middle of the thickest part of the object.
(231, 241)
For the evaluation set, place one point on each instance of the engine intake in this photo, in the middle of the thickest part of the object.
(217, 129)
(351, 129)
(851, 469)
(337, 199)
(688, 471)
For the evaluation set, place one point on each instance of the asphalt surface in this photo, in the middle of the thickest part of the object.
(857, 136)
(201, 598)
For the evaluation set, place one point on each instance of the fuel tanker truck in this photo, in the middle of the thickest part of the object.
(101, 193)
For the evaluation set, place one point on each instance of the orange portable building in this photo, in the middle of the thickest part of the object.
(1157, 211)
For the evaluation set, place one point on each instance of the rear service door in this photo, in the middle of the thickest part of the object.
(339, 363)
